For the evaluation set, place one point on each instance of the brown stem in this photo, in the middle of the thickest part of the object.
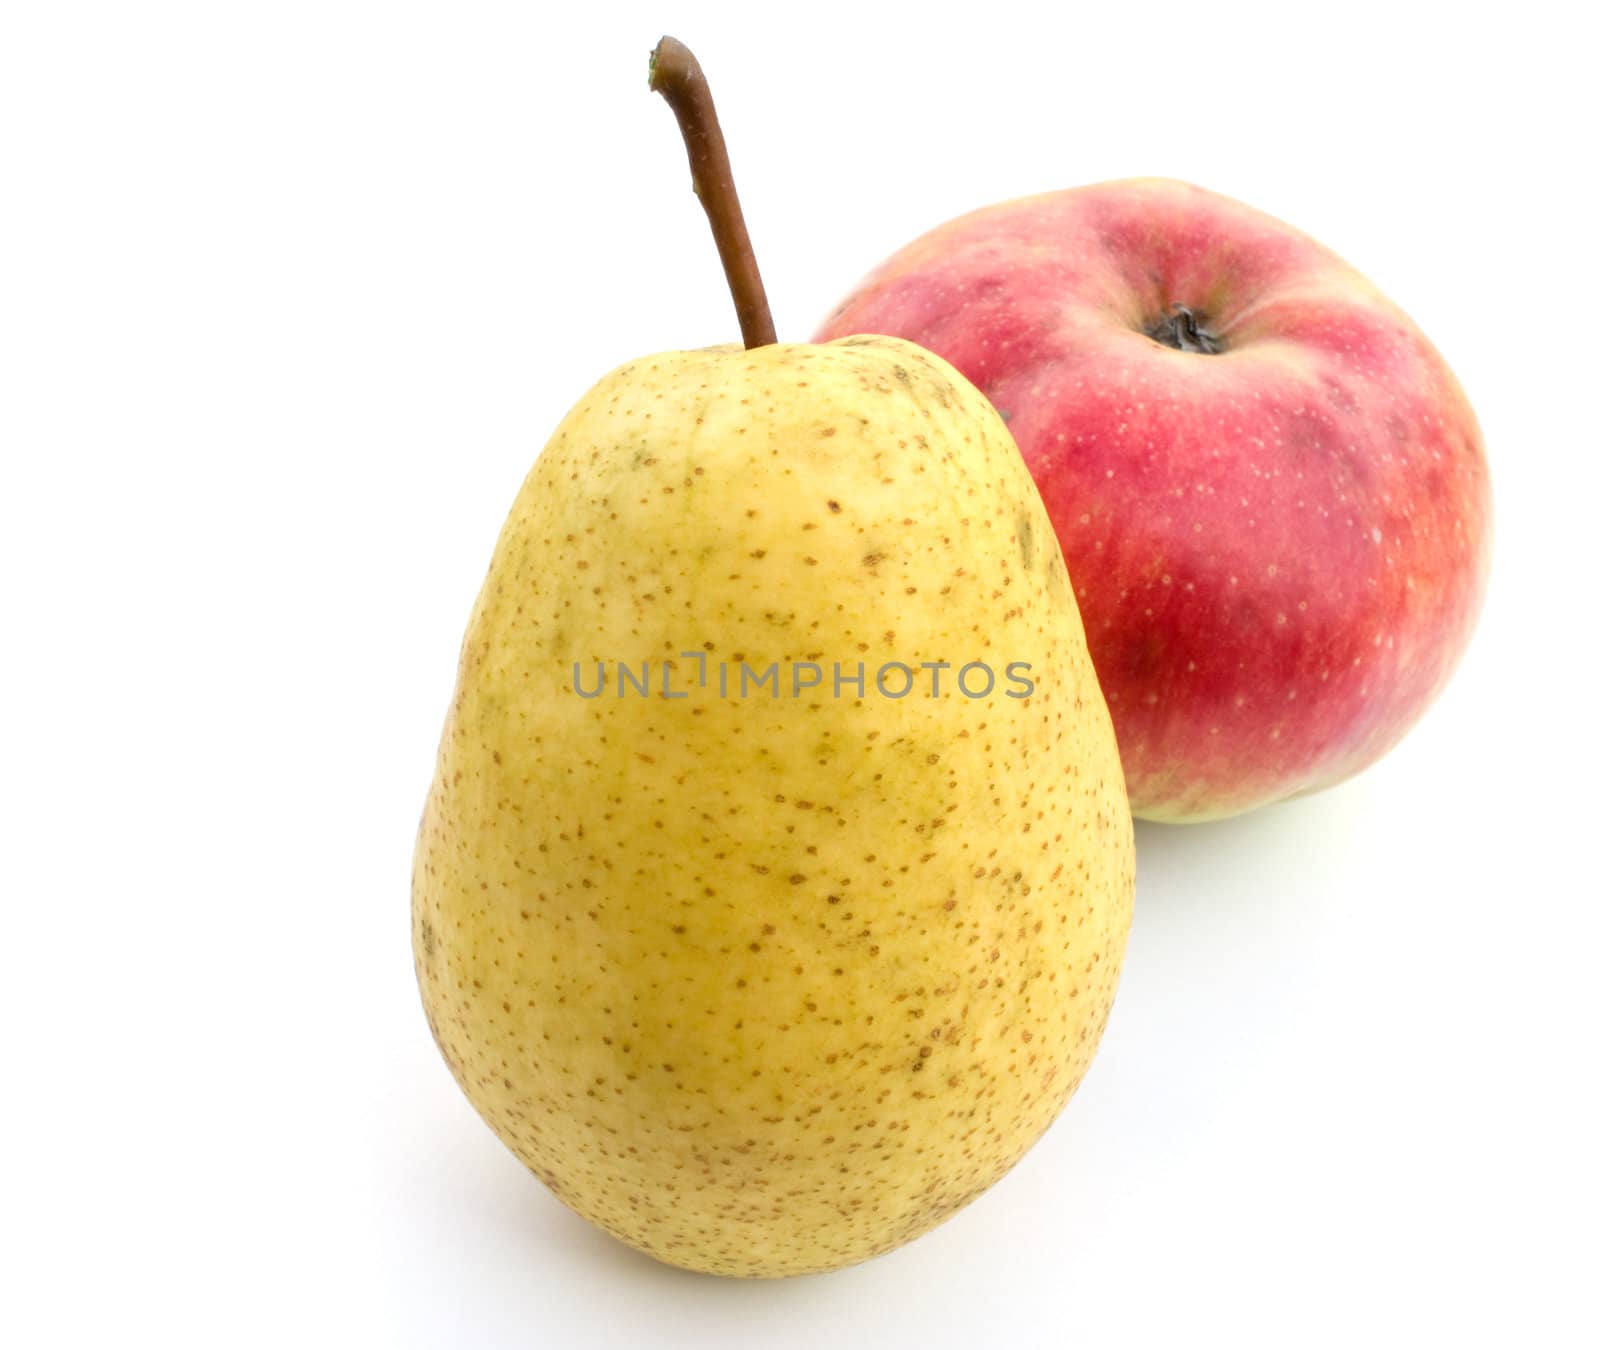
(677, 77)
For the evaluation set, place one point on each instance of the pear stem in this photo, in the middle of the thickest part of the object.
(677, 77)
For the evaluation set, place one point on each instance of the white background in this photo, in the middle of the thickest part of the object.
(291, 295)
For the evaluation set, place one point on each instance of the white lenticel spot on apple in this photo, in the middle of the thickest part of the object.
(1377, 535)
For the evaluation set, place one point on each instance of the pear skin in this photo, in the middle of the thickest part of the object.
(766, 983)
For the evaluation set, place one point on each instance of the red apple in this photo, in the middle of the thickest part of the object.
(1270, 490)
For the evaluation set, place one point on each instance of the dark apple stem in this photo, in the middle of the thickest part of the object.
(1183, 330)
(677, 77)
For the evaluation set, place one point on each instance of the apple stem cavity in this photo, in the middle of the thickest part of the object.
(1184, 331)
(677, 77)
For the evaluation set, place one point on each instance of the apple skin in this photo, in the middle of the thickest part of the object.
(1279, 549)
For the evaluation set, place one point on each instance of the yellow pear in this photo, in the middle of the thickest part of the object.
(773, 887)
